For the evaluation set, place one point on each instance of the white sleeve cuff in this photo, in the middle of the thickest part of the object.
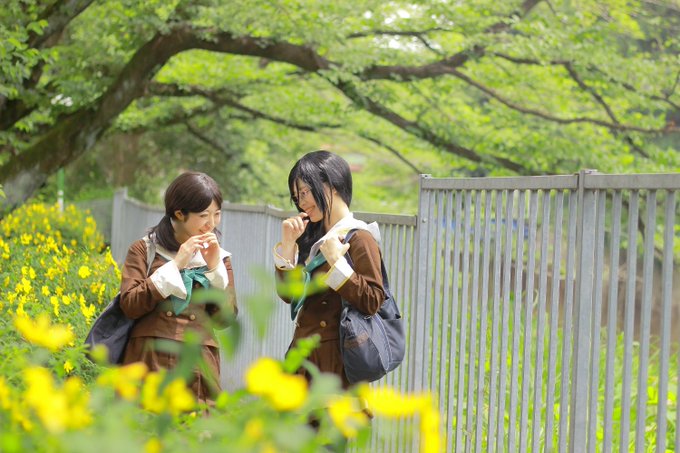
(168, 281)
(219, 278)
(281, 262)
(339, 274)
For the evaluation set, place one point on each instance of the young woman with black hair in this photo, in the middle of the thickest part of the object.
(320, 185)
(188, 257)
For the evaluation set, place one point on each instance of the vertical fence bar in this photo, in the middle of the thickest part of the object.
(567, 330)
(554, 318)
(454, 318)
(422, 291)
(540, 323)
(645, 319)
(629, 322)
(483, 339)
(498, 259)
(582, 323)
(507, 270)
(596, 320)
(445, 395)
(517, 321)
(612, 309)
(474, 304)
(463, 319)
(528, 322)
(666, 304)
(437, 265)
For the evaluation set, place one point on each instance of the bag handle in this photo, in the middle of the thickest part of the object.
(386, 281)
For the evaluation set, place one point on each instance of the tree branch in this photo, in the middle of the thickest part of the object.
(549, 117)
(627, 86)
(418, 130)
(217, 96)
(392, 150)
(600, 100)
(224, 151)
(58, 16)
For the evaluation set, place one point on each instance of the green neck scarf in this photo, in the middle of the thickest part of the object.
(189, 276)
(297, 303)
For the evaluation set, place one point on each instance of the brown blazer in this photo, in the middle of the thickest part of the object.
(321, 312)
(140, 300)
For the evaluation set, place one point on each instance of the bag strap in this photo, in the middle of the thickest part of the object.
(383, 271)
(150, 253)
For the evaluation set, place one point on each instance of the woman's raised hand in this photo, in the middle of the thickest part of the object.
(292, 228)
(206, 243)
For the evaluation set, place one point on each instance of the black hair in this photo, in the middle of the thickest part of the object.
(316, 169)
(189, 192)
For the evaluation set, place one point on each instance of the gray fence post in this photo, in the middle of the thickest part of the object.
(117, 248)
(585, 248)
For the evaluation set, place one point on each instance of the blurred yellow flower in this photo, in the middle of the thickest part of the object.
(154, 445)
(254, 429)
(259, 377)
(84, 272)
(386, 401)
(42, 333)
(175, 398)
(290, 392)
(266, 378)
(126, 380)
(45, 290)
(346, 414)
(58, 409)
(54, 300)
(4, 394)
(68, 367)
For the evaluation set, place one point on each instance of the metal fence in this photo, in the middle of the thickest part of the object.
(541, 311)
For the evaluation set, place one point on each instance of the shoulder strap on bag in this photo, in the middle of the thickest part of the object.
(150, 253)
(386, 281)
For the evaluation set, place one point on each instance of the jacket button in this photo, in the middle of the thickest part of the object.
(168, 313)
(192, 316)
(322, 323)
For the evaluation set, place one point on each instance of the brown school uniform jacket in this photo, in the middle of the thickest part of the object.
(321, 312)
(140, 300)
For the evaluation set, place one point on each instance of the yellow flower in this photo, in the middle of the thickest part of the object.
(42, 333)
(346, 414)
(259, 377)
(66, 299)
(68, 367)
(175, 398)
(45, 290)
(58, 409)
(126, 380)
(4, 394)
(88, 312)
(386, 401)
(254, 429)
(84, 272)
(54, 300)
(285, 392)
(154, 445)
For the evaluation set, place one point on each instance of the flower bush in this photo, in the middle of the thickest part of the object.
(56, 276)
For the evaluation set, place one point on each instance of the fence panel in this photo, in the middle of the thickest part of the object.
(541, 312)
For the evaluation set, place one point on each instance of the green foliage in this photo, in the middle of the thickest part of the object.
(454, 88)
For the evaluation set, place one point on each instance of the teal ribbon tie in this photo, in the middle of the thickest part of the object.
(297, 303)
(189, 276)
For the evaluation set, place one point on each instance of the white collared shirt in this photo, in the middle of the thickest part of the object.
(168, 281)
